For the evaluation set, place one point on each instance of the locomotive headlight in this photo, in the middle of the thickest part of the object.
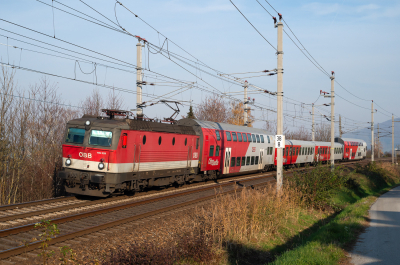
(101, 166)
(87, 123)
(68, 162)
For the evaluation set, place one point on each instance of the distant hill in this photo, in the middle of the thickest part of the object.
(385, 129)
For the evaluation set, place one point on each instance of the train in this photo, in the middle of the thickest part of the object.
(106, 156)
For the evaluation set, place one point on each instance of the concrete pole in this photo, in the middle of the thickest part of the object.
(340, 126)
(392, 139)
(379, 140)
(372, 131)
(139, 109)
(279, 129)
(313, 125)
(332, 121)
(246, 85)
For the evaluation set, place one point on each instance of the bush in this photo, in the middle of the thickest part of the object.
(318, 186)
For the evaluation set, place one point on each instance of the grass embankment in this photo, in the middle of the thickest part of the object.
(319, 214)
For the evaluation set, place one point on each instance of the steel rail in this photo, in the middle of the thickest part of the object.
(34, 245)
(33, 203)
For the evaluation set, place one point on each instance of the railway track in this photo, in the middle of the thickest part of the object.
(89, 222)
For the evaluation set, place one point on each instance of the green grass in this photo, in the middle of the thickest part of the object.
(326, 245)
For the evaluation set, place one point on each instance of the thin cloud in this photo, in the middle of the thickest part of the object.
(213, 6)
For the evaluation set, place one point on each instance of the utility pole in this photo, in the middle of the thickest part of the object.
(378, 142)
(139, 107)
(372, 131)
(392, 139)
(246, 85)
(313, 125)
(279, 129)
(332, 120)
(340, 126)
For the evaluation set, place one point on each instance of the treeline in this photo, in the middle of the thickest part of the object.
(32, 128)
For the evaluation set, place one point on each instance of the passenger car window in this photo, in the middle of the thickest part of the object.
(197, 143)
(238, 162)
(232, 162)
(244, 137)
(262, 138)
(239, 137)
(249, 137)
(100, 138)
(75, 135)
(218, 135)
(211, 150)
(252, 160)
(258, 138)
(243, 161)
(234, 136)
(228, 136)
(256, 162)
(217, 151)
(253, 137)
(248, 161)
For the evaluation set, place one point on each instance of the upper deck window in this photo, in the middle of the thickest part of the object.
(75, 135)
(254, 138)
(258, 138)
(101, 138)
(244, 137)
(228, 136)
(262, 138)
(239, 136)
(234, 136)
(218, 136)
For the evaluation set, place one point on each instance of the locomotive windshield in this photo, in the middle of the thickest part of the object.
(101, 138)
(75, 135)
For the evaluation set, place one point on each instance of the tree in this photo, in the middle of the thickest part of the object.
(114, 100)
(237, 114)
(93, 104)
(190, 114)
(213, 108)
(323, 132)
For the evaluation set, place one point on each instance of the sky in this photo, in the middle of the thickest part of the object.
(357, 39)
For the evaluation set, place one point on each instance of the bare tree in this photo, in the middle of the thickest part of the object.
(300, 134)
(114, 100)
(93, 103)
(323, 132)
(213, 108)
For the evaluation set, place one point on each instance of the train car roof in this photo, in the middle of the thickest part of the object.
(313, 143)
(221, 126)
(353, 140)
(130, 124)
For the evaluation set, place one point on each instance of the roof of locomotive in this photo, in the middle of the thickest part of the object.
(131, 124)
(221, 126)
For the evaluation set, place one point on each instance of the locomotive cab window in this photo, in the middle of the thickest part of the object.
(234, 136)
(239, 137)
(100, 138)
(218, 135)
(75, 135)
(228, 136)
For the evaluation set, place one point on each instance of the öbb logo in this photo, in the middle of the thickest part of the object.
(85, 155)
